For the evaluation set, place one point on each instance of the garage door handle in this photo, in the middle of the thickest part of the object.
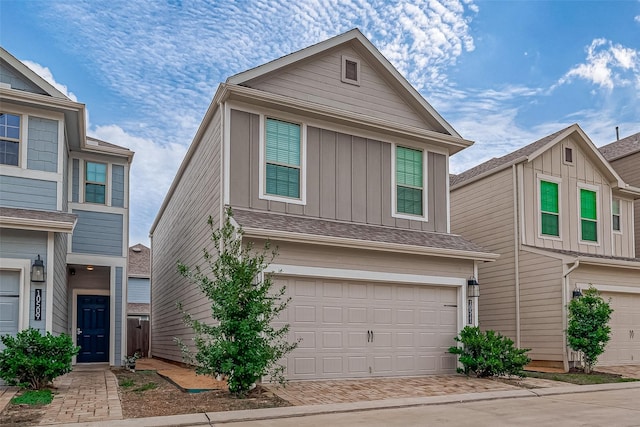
(371, 336)
(368, 336)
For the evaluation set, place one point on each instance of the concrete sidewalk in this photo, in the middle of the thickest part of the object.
(213, 418)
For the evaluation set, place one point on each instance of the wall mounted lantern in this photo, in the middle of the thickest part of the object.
(37, 270)
(576, 293)
(473, 288)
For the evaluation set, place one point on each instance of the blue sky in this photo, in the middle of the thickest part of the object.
(503, 73)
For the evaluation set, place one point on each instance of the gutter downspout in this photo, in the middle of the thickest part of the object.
(565, 293)
(516, 251)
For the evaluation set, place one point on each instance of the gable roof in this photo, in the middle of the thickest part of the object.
(94, 144)
(32, 76)
(530, 152)
(352, 36)
(621, 148)
(139, 264)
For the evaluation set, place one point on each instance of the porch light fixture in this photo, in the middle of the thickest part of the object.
(473, 288)
(577, 293)
(89, 267)
(37, 270)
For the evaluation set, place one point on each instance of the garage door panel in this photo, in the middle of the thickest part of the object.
(411, 328)
(624, 345)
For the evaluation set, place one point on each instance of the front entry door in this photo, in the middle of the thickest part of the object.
(93, 328)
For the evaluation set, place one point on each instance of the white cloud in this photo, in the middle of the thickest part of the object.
(152, 171)
(607, 65)
(637, 18)
(47, 75)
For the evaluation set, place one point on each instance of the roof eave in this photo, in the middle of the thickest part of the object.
(367, 244)
(37, 224)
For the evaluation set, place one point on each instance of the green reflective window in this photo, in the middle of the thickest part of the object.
(588, 215)
(282, 154)
(95, 182)
(409, 181)
(549, 208)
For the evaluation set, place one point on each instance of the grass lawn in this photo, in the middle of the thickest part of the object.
(33, 397)
(580, 378)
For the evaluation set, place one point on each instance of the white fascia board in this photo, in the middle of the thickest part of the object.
(37, 224)
(367, 244)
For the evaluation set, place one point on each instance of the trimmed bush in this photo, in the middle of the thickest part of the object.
(488, 354)
(32, 360)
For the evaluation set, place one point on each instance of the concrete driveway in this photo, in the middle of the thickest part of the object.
(627, 371)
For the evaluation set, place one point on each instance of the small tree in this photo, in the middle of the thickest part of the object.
(33, 360)
(588, 331)
(241, 343)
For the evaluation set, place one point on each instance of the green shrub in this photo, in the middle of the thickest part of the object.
(488, 354)
(588, 331)
(33, 360)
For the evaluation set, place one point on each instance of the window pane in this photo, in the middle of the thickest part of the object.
(12, 120)
(9, 153)
(409, 200)
(94, 193)
(96, 172)
(616, 222)
(283, 142)
(588, 204)
(283, 181)
(589, 230)
(549, 197)
(10, 126)
(550, 224)
(615, 206)
(409, 167)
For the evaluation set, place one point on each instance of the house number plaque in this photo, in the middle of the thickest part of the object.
(37, 306)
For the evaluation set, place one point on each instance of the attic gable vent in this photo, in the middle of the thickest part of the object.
(568, 155)
(350, 70)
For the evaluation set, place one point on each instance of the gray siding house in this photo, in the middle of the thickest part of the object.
(335, 158)
(561, 219)
(624, 157)
(63, 206)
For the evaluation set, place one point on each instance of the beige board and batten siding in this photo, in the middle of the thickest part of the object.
(628, 168)
(348, 177)
(317, 79)
(583, 171)
(541, 324)
(180, 235)
(483, 212)
(621, 288)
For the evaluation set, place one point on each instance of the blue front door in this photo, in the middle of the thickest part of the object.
(93, 328)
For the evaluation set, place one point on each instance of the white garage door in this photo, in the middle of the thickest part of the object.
(624, 346)
(9, 302)
(358, 329)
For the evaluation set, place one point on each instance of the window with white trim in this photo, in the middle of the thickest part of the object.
(9, 139)
(549, 208)
(409, 181)
(283, 168)
(350, 70)
(615, 214)
(95, 184)
(588, 215)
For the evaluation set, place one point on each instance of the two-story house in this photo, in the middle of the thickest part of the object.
(624, 157)
(64, 219)
(335, 158)
(561, 219)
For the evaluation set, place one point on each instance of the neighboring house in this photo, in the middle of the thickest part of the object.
(331, 155)
(64, 209)
(138, 288)
(560, 218)
(624, 156)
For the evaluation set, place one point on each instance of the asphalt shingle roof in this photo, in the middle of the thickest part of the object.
(621, 148)
(364, 232)
(63, 217)
(587, 255)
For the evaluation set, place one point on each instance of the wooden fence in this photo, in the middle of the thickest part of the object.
(138, 337)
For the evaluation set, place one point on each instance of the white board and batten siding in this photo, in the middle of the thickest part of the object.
(629, 170)
(483, 212)
(180, 235)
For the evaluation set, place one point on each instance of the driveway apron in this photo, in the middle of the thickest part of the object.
(88, 393)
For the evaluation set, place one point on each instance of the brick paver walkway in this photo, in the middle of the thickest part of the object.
(88, 393)
(6, 394)
(345, 391)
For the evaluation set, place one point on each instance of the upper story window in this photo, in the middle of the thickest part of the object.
(568, 155)
(283, 159)
(549, 209)
(409, 181)
(588, 215)
(95, 182)
(9, 139)
(350, 70)
(615, 214)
